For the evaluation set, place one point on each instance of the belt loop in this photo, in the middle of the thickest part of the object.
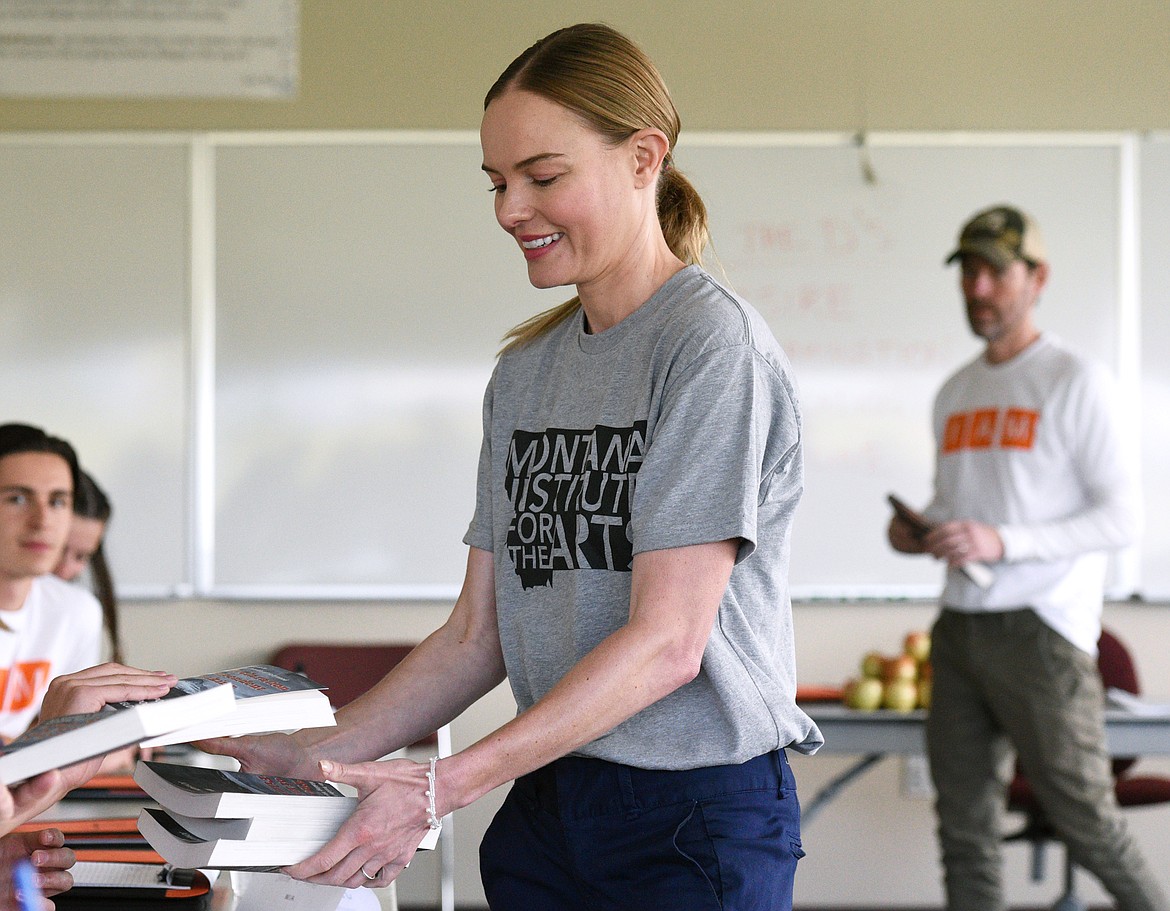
(625, 781)
(779, 759)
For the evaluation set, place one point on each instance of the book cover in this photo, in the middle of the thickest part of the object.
(185, 849)
(63, 741)
(268, 698)
(250, 682)
(223, 794)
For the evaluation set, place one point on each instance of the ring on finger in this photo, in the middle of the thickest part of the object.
(367, 875)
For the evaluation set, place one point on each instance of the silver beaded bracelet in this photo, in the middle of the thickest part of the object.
(432, 816)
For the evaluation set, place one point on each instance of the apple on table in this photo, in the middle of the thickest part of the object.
(873, 664)
(917, 644)
(901, 695)
(901, 667)
(864, 694)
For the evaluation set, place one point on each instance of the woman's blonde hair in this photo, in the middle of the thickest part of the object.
(602, 76)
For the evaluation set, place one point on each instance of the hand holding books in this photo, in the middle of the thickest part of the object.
(243, 700)
(211, 818)
(267, 699)
(382, 835)
(76, 743)
(96, 687)
(285, 754)
(386, 829)
(83, 692)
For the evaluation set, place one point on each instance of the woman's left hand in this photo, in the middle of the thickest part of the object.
(378, 841)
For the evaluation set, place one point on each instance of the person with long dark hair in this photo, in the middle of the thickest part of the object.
(85, 550)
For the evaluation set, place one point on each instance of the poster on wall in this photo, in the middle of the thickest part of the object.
(149, 48)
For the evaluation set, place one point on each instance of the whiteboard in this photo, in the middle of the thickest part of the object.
(362, 293)
(94, 309)
(850, 276)
(359, 286)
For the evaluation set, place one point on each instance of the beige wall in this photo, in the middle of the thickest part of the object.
(776, 65)
(752, 65)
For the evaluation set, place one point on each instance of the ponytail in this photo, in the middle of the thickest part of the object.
(683, 216)
(536, 326)
(103, 589)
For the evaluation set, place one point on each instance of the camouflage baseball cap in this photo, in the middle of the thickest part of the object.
(999, 235)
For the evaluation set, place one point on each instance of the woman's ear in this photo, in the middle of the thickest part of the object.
(650, 147)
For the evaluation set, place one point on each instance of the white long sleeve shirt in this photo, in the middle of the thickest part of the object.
(1035, 447)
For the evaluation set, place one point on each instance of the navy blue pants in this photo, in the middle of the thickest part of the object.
(593, 835)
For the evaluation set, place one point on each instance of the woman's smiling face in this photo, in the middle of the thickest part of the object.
(561, 189)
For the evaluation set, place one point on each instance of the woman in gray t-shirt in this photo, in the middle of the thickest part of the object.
(628, 556)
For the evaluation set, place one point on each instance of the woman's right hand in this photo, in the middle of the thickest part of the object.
(265, 754)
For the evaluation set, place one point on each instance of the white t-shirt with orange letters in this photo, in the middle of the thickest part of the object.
(58, 630)
(1038, 447)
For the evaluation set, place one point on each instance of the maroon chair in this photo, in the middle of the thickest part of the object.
(1117, 670)
(346, 671)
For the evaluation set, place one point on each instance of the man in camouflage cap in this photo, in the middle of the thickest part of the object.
(1032, 480)
(1001, 235)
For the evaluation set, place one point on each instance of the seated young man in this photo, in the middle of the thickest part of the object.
(47, 627)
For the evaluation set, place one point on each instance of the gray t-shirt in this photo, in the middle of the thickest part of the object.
(678, 426)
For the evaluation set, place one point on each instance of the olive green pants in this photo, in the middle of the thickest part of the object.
(1005, 682)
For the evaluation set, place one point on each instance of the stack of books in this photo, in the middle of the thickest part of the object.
(267, 698)
(245, 700)
(217, 819)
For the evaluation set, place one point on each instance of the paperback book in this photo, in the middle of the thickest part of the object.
(63, 741)
(267, 699)
(187, 850)
(214, 818)
(222, 794)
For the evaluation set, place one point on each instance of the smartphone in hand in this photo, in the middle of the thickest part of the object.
(979, 573)
(913, 518)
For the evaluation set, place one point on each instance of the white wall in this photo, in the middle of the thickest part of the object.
(871, 848)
